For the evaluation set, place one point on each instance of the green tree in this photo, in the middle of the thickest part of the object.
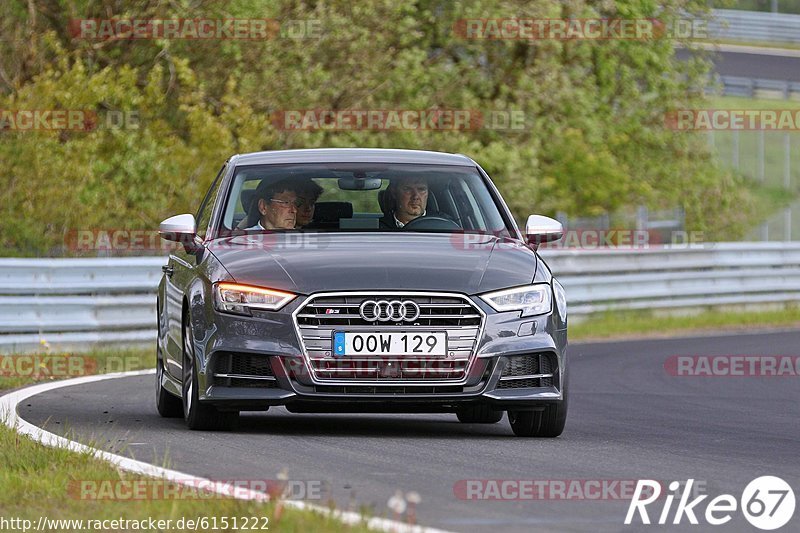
(593, 138)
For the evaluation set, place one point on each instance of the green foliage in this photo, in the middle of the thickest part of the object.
(593, 139)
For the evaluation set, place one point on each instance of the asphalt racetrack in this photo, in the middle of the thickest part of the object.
(753, 65)
(630, 418)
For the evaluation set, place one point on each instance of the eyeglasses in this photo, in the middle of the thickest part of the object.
(286, 204)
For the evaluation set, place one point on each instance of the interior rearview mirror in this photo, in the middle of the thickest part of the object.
(360, 184)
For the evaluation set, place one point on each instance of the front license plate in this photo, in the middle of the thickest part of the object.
(417, 343)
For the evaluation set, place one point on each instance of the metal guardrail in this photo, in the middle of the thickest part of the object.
(759, 88)
(75, 303)
(754, 26)
(669, 278)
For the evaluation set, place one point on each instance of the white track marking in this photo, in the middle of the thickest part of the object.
(8, 413)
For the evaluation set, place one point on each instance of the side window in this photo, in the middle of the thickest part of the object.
(207, 207)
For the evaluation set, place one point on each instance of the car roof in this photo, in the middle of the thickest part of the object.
(352, 155)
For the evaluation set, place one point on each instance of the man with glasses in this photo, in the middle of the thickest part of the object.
(277, 205)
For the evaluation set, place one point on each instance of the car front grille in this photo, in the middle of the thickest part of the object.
(386, 368)
(323, 315)
(526, 371)
(388, 389)
(234, 369)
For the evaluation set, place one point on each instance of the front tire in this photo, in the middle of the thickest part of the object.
(547, 423)
(199, 416)
(479, 414)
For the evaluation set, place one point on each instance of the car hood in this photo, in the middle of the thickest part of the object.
(306, 263)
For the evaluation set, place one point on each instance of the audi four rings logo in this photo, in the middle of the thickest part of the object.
(386, 311)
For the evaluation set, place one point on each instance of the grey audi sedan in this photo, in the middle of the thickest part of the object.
(360, 280)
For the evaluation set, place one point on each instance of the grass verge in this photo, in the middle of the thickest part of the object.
(19, 370)
(38, 481)
(42, 482)
(640, 324)
(741, 102)
(740, 150)
(758, 44)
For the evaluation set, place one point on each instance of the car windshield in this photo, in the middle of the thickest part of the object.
(360, 197)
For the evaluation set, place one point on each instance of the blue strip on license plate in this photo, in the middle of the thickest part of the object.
(338, 344)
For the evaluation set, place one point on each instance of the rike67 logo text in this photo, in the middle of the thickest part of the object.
(767, 502)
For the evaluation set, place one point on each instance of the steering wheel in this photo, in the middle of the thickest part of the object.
(431, 223)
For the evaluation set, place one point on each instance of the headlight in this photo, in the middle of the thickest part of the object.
(531, 299)
(240, 299)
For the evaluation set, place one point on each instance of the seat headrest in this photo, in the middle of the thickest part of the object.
(385, 201)
(332, 211)
(251, 214)
(247, 197)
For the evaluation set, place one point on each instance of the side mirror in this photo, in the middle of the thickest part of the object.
(180, 228)
(540, 229)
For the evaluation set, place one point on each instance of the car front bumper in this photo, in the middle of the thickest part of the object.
(517, 364)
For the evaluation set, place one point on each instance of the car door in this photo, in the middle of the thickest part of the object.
(181, 271)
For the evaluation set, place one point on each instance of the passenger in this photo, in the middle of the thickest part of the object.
(277, 205)
(308, 192)
(408, 199)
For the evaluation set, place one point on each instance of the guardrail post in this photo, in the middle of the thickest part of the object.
(787, 221)
(641, 218)
(562, 217)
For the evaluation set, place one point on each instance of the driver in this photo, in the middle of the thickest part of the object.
(409, 196)
(277, 205)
